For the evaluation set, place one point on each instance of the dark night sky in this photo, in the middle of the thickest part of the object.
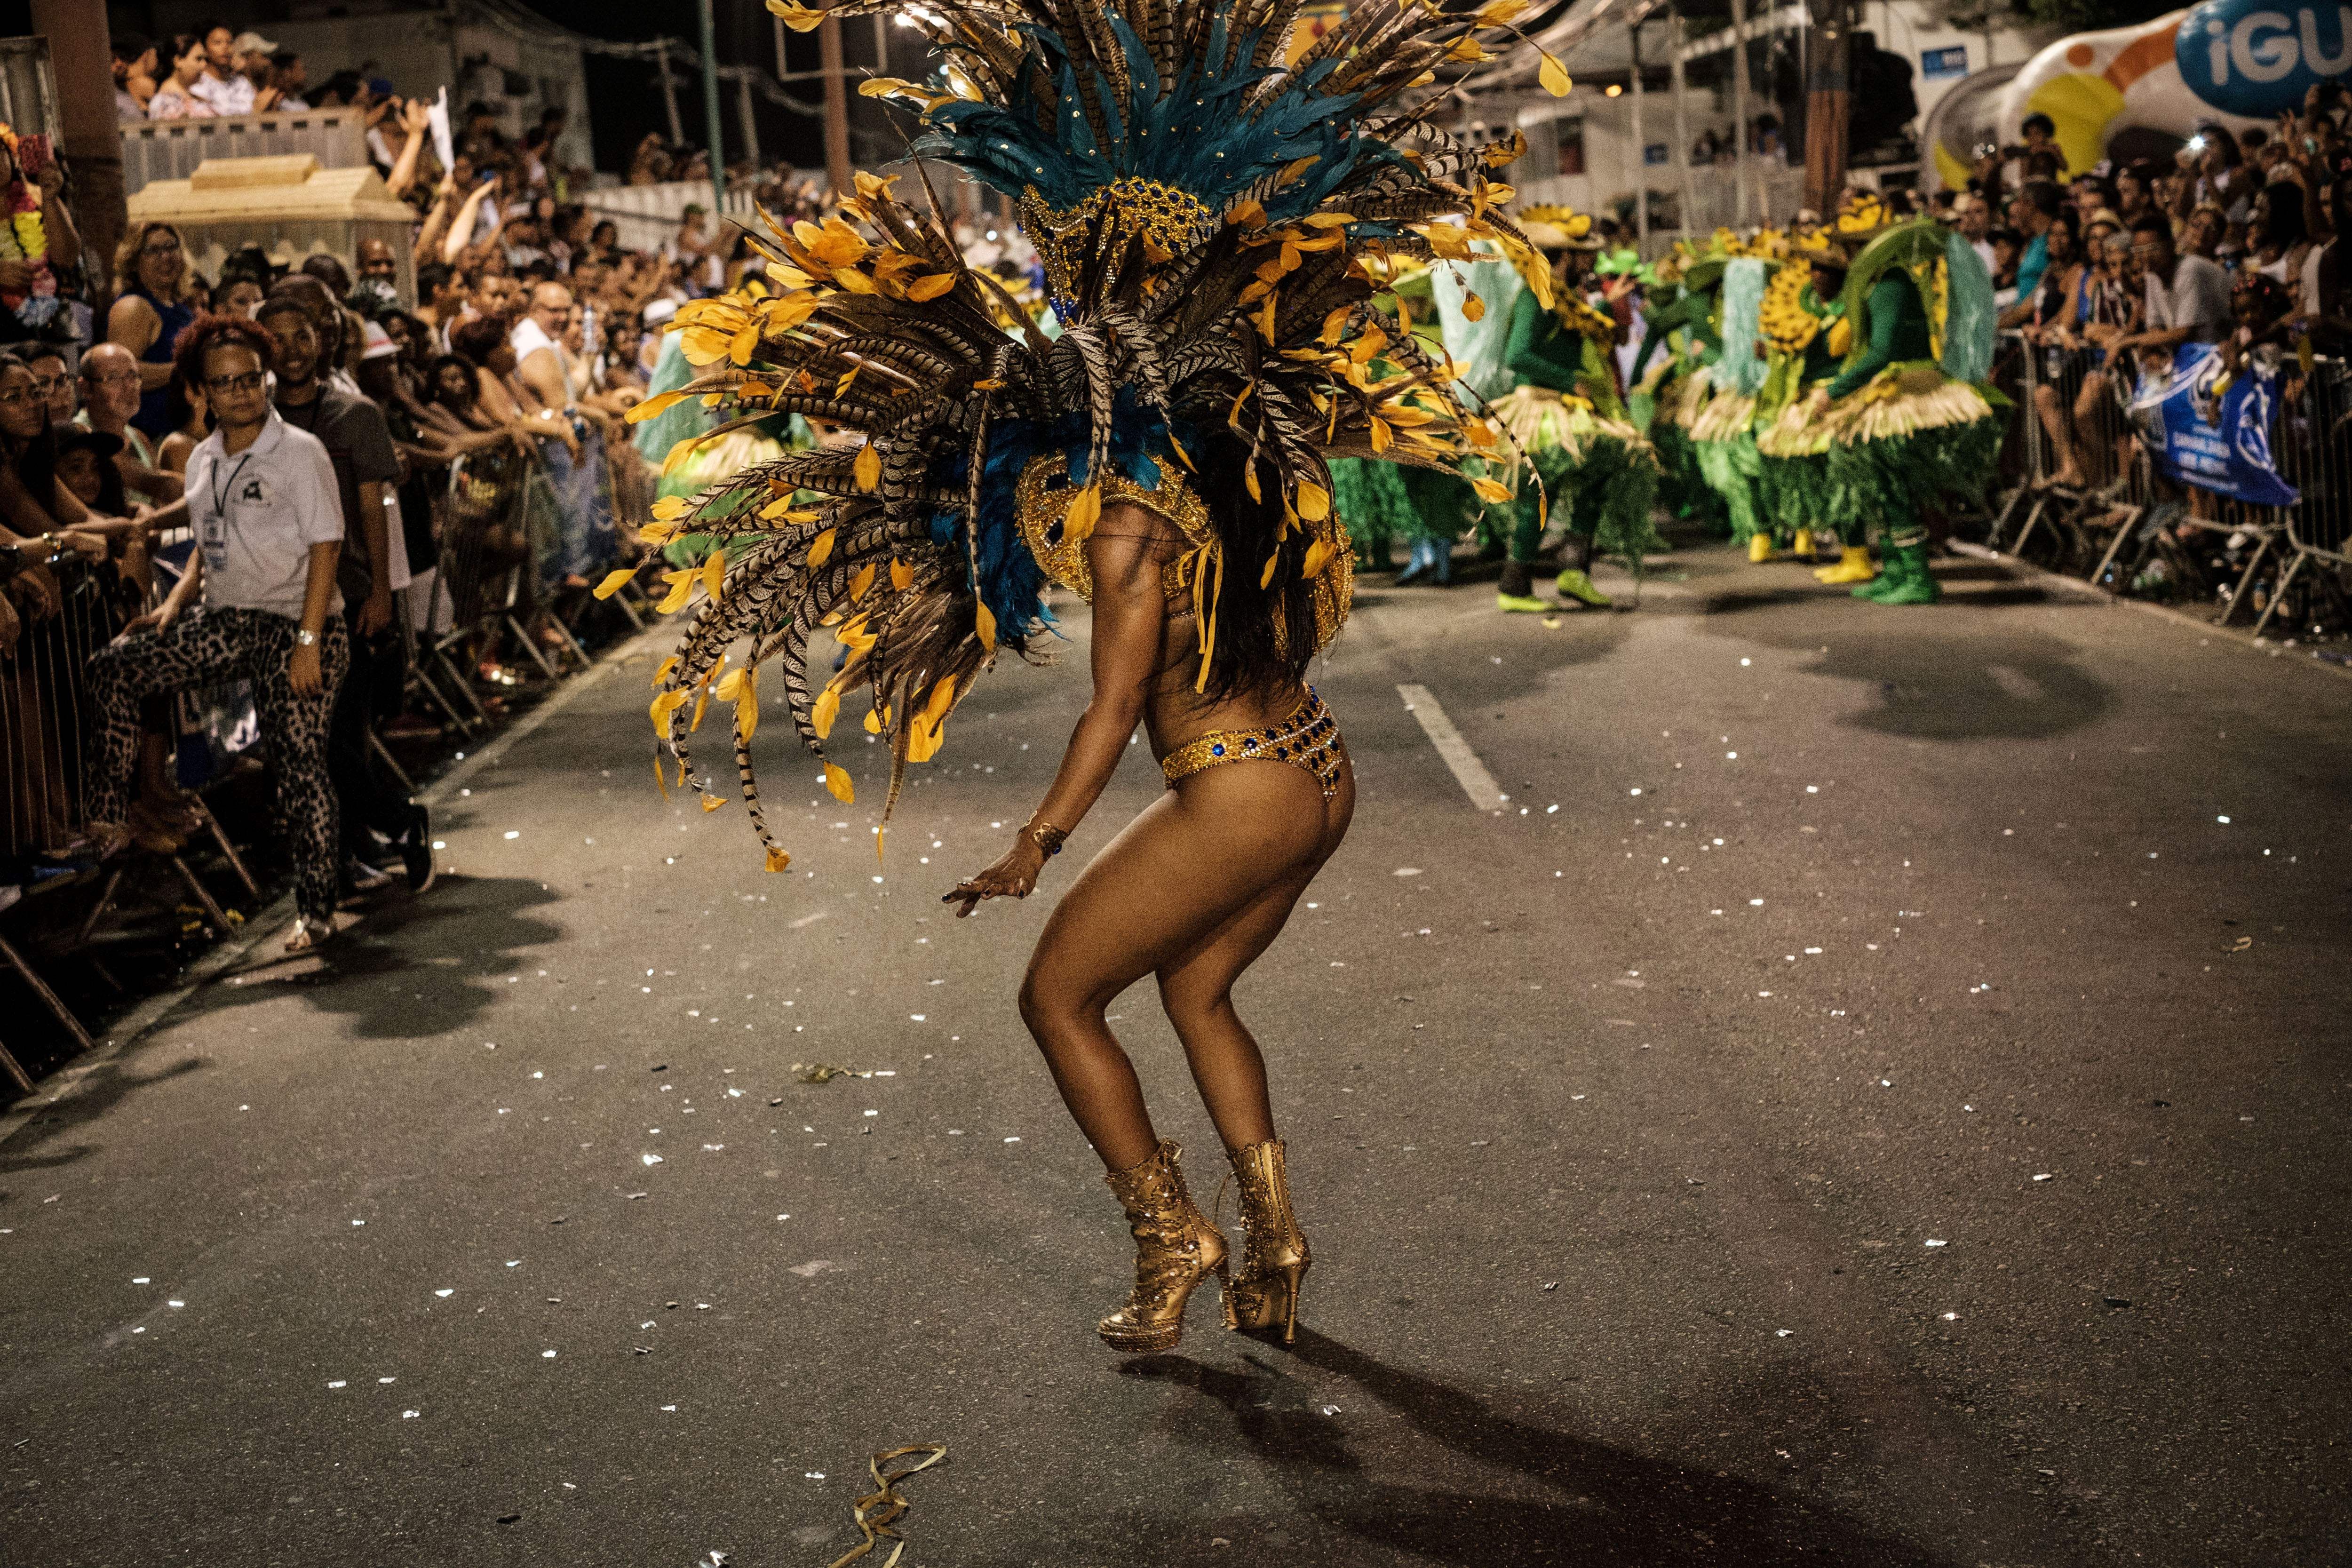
(624, 98)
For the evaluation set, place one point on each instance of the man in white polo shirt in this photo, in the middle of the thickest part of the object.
(262, 500)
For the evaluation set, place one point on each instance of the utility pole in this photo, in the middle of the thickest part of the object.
(1641, 153)
(1739, 111)
(710, 122)
(1680, 32)
(836, 108)
(669, 92)
(1829, 100)
(81, 61)
(744, 112)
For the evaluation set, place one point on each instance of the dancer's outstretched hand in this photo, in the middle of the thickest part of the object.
(1014, 877)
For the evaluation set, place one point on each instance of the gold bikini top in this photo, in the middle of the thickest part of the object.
(1044, 496)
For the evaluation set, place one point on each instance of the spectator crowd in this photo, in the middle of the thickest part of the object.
(183, 456)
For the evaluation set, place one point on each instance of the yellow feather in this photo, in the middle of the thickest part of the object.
(1085, 510)
(836, 779)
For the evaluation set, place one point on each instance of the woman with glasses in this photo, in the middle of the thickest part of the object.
(152, 313)
(259, 603)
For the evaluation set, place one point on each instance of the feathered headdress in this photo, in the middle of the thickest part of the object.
(1210, 210)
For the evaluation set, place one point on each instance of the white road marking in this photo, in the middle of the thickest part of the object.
(1469, 770)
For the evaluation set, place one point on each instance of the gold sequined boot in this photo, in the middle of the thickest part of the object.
(1175, 1248)
(1263, 1292)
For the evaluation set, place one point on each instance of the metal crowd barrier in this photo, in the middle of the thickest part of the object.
(2082, 496)
(495, 520)
(497, 525)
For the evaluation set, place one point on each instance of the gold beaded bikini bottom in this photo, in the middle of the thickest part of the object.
(1308, 738)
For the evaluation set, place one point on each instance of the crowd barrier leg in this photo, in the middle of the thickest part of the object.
(2042, 500)
(2278, 595)
(2124, 531)
(215, 916)
(227, 849)
(384, 754)
(2245, 579)
(98, 909)
(15, 1070)
(2025, 496)
(32, 977)
(440, 699)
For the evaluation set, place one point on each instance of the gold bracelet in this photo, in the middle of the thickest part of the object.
(1046, 837)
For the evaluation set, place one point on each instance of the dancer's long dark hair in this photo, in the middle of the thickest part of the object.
(1266, 635)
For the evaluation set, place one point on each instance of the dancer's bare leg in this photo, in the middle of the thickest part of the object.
(1180, 872)
(1196, 990)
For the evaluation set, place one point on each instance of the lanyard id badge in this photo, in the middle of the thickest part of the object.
(212, 534)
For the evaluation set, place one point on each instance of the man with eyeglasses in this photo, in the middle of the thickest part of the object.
(261, 501)
(2187, 297)
(53, 378)
(585, 532)
(110, 396)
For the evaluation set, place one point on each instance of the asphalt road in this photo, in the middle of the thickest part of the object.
(1892, 1111)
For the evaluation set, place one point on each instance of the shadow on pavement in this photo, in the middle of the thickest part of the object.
(1568, 1500)
(413, 967)
(40, 1146)
(1940, 672)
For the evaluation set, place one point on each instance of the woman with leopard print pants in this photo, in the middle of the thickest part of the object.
(261, 498)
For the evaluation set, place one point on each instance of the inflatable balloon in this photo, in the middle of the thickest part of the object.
(2141, 91)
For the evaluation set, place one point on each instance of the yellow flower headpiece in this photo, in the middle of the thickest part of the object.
(1554, 226)
(1860, 215)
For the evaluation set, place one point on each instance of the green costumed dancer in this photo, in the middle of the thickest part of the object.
(1567, 419)
(1908, 420)
(1678, 318)
(1802, 325)
(1717, 406)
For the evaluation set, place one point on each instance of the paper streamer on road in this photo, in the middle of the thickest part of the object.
(880, 1508)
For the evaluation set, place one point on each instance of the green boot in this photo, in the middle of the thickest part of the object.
(1914, 583)
(1575, 584)
(1516, 593)
(1893, 571)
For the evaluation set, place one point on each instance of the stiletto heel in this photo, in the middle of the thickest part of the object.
(1274, 1258)
(1175, 1248)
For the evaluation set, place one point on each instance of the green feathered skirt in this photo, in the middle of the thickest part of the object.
(1599, 477)
(1685, 488)
(1387, 504)
(1723, 445)
(1794, 478)
(1911, 440)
